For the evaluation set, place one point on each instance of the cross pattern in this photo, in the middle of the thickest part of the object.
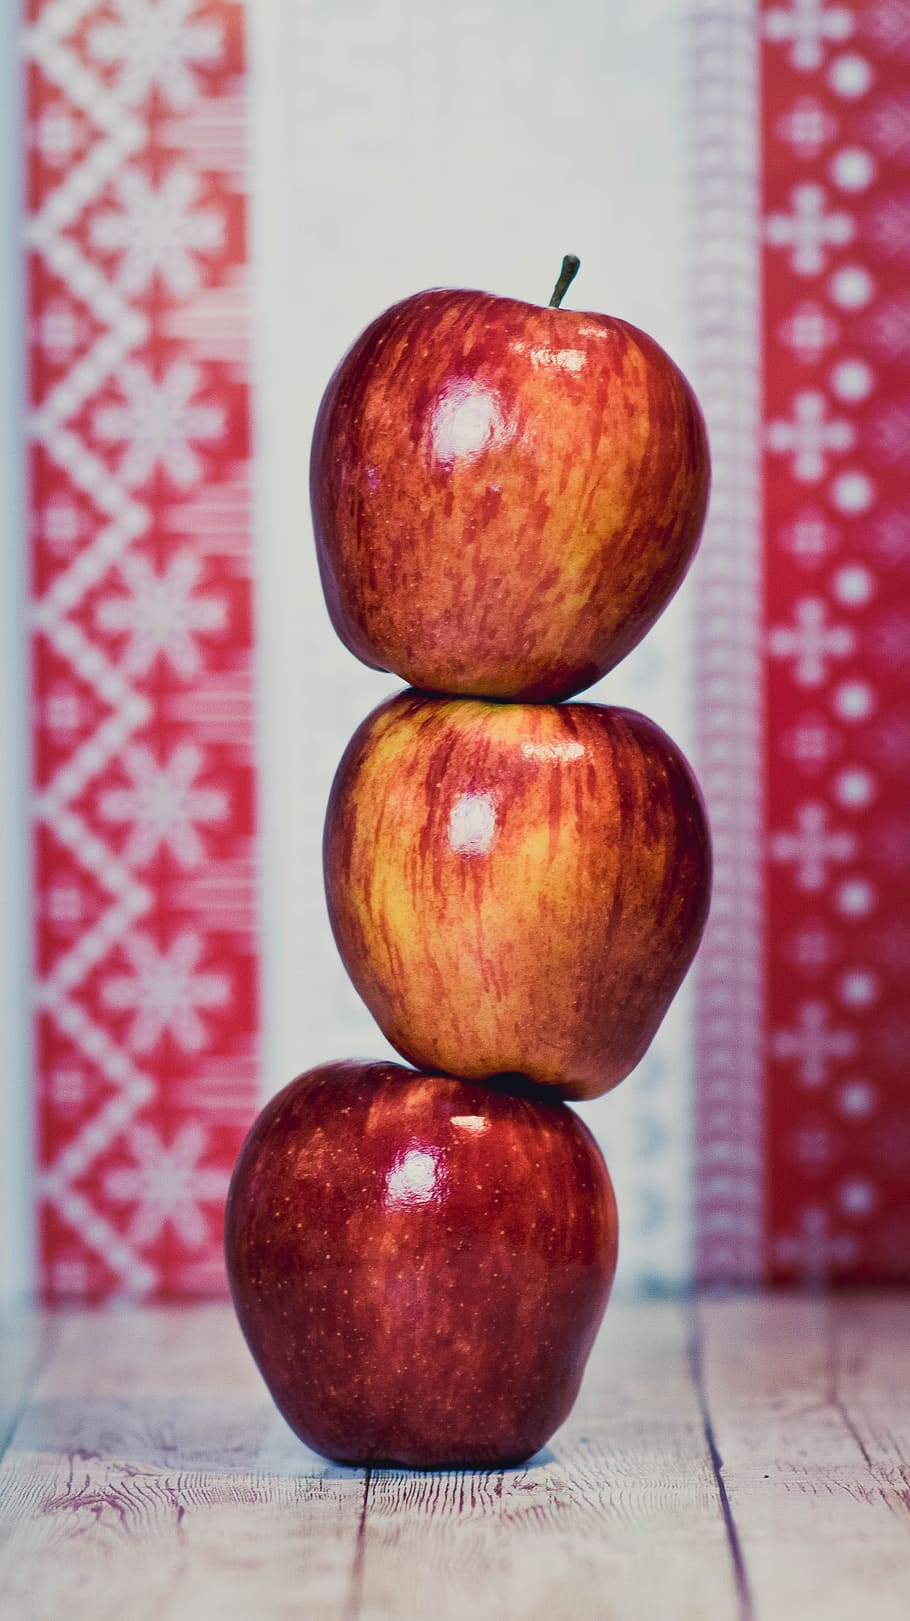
(807, 26)
(809, 230)
(813, 847)
(811, 642)
(814, 1250)
(812, 1044)
(810, 436)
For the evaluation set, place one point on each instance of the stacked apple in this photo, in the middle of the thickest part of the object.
(505, 497)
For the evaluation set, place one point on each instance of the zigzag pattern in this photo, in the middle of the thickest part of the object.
(125, 431)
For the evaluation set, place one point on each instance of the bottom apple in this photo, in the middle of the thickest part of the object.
(419, 1264)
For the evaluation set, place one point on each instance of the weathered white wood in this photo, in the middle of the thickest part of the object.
(620, 1517)
(872, 1376)
(804, 1395)
(151, 1478)
(148, 1478)
(26, 1340)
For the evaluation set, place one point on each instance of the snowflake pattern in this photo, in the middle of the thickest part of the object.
(812, 743)
(809, 331)
(890, 534)
(889, 25)
(889, 227)
(163, 614)
(159, 230)
(891, 432)
(145, 914)
(810, 538)
(168, 1185)
(164, 804)
(889, 847)
(887, 126)
(813, 1145)
(808, 127)
(161, 422)
(891, 640)
(812, 949)
(157, 44)
(136, 60)
(166, 989)
(889, 741)
(888, 327)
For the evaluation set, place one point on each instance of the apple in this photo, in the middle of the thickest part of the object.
(516, 888)
(504, 496)
(419, 1265)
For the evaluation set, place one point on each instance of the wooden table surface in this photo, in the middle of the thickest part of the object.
(728, 1459)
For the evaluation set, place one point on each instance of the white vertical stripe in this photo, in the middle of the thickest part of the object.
(729, 1162)
(397, 146)
(16, 1112)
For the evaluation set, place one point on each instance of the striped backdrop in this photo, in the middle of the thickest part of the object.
(216, 197)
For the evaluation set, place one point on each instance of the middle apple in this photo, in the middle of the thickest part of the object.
(516, 888)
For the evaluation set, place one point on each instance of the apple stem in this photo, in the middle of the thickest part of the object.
(565, 279)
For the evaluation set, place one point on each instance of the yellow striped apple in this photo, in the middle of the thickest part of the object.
(504, 496)
(419, 1265)
(516, 888)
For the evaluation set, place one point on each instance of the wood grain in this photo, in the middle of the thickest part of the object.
(807, 1406)
(739, 1460)
(151, 1478)
(619, 1518)
(872, 1376)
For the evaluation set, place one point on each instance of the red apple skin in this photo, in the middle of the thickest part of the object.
(419, 1265)
(504, 497)
(516, 888)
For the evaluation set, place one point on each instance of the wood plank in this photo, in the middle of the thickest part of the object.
(822, 1534)
(872, 1377)
(618, 1518)
(27, 1337)
(150, 1477)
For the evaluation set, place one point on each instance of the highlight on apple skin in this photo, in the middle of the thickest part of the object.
(419, 1265)
(516, 888)
(505, 497)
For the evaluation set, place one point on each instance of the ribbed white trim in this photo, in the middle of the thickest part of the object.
(729, 1080)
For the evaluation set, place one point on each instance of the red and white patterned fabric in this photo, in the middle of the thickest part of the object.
(836, 351)
(146, 768)
(145, 819)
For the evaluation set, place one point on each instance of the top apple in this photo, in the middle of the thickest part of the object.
(505, 496)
